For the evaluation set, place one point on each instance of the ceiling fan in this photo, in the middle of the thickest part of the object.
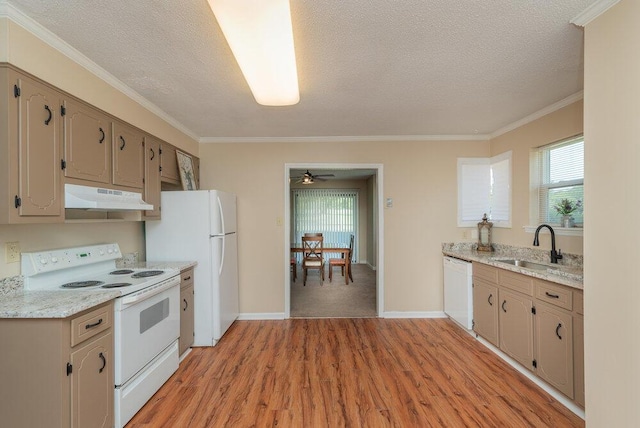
(308, 178)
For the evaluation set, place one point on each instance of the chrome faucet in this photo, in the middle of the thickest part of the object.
(555, 256)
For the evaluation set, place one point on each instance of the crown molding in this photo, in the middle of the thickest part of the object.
(592, 12)
(537, 115)
(9, 11)
(345, 139)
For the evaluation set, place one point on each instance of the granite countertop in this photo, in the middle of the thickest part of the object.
(51, 304)
(568, 273)
(16, 302)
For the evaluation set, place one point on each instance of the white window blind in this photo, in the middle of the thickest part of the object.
(484, 186)
(333, 212)
(557, 174)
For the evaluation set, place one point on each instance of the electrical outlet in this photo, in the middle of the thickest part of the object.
(278, 221)
(12, 252)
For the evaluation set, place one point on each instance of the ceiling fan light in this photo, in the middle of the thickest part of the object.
(260, 35)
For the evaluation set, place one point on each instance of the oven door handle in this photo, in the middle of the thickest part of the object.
(150, 292)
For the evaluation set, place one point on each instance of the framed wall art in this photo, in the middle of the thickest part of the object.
(185, 166)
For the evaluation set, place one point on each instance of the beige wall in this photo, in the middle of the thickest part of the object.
(129, 235)
(419, 176)
(556, 126)
(612, 174)
(363, 207)
(27, 52)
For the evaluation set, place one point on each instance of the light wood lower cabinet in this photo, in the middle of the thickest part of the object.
(554, 339)
(538, 323)
(58, 372)
(485, 310)
(186, 314)
(578, 359)
(516, 327)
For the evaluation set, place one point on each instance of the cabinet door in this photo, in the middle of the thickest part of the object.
(578, 359)
(87, 143)
(554, 337)
(128, 156)
(152, 176)
(186, 319)
(169, 164)
(516, 327)
(40, 150)
(485, 310)
(92, 384)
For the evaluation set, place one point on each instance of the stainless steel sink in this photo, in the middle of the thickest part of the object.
(525, 264)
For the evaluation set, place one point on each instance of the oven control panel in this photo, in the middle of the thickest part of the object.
(65, 258)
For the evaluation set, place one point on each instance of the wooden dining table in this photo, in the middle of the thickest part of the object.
(331, 248)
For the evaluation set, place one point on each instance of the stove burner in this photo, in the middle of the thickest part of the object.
(81, 284)
(147, 273)
(121, 272)
(117, 285)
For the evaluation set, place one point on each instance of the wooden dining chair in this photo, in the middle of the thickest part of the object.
(312, 256)
(294, 269)
(312, 234)
(342, 262)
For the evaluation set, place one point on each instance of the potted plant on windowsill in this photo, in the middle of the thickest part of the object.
(565, 207)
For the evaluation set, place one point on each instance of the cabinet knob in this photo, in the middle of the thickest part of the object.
(102, 135)
(123, 143)
(104, 362)
(558, 331)
(186, 305)
(47, 120)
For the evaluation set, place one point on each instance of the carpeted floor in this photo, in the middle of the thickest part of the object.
(335, 299)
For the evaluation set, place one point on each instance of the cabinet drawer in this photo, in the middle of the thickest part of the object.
(91, 323)
(186, 278)
(488, 273)
(515, 281)
(554, 294)
(578, 302)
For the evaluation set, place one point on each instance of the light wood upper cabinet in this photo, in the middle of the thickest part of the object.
(31, 147)
(152, 176)
(128, 156)
(169, 164)
(87, 143)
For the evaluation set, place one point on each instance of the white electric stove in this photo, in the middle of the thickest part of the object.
(146, 317)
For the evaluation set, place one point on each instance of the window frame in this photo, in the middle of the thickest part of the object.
(540, 168)
(466, 187)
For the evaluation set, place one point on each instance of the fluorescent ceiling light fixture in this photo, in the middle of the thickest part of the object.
(261, 38)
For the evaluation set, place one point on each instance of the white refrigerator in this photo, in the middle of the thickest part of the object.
(200, 225)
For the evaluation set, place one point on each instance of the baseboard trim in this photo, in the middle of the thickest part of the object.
(401, 314)
(261, 316)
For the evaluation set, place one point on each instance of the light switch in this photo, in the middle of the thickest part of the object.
(389, 203)
(278, 221)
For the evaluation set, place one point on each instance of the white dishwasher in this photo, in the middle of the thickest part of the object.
(458, 292)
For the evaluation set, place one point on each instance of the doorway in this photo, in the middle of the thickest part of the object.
(377, 256)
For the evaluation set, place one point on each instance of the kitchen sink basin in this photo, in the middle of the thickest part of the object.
(525, 264)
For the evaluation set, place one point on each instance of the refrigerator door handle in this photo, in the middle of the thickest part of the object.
(224, 239)
(222, 229)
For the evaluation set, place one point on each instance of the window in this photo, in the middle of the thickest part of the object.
(557, 173)
(484, 186)
(334, 212)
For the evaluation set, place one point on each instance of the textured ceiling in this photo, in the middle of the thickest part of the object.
(366, 67)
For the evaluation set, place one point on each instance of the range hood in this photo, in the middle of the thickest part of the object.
(99, 199)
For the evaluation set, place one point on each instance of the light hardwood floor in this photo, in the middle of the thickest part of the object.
(349, 373)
